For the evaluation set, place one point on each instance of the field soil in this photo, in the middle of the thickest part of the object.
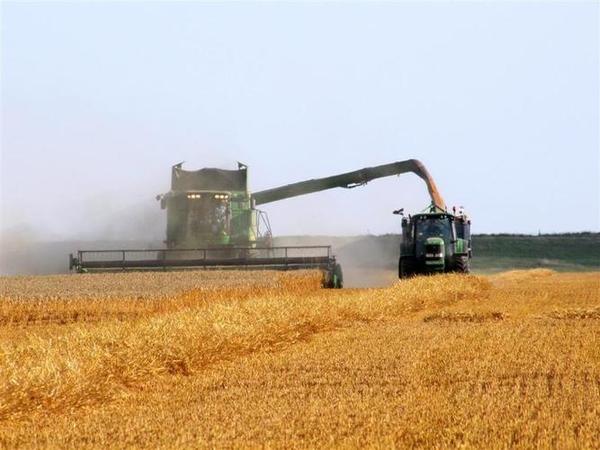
(242, 359)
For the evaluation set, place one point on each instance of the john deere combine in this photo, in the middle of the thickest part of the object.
(212, 208)
(213, 222)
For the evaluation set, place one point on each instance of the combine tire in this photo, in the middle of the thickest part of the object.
(338, 277)
(334, 279)
(462, 264)
(406, 268)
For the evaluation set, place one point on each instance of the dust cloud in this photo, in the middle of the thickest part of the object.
(370, 261)
(367, 261)
(102, 223)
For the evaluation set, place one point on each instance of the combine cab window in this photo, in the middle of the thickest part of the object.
(207, 216)
(220, 218)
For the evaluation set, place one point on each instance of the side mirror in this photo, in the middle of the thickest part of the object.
(399, 212)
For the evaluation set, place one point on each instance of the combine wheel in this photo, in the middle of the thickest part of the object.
(333, 278)
(338, 277)
(406, 267)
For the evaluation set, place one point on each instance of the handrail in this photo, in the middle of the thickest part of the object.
(212, 249)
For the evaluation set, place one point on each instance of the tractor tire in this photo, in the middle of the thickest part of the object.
(406, 268)
(462, 264)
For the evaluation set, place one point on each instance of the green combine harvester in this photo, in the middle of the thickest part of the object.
(213, 223)
(212, 208)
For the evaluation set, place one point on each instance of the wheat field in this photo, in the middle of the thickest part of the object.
(268, 359)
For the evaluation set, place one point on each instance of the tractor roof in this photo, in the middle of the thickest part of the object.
(433, 209)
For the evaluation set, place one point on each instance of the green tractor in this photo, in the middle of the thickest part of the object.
(435, 241)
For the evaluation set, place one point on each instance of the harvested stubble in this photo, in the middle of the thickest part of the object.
(286, 364)
(84, 365)
(61, 299)
(464, 316)
(130, 285)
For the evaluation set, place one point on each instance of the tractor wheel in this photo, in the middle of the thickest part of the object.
(462, 264)
(406, 268)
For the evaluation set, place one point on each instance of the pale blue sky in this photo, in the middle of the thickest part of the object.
(499, 100)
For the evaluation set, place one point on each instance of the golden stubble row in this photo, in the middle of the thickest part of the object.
(129, 285)
(87, 363)
(64, 299)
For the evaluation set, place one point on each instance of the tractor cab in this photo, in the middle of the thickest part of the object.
(434, 241)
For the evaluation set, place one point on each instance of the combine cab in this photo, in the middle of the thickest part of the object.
(212, 208)
(434, 241)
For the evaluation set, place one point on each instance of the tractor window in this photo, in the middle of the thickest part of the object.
(463, 230)
(460, 230)
(434, 227)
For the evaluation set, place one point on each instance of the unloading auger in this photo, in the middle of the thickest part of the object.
(351, 180)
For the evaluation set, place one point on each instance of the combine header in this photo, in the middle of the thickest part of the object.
(247, 258)
(213, 223)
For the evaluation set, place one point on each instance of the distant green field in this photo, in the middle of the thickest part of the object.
(563, 252)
